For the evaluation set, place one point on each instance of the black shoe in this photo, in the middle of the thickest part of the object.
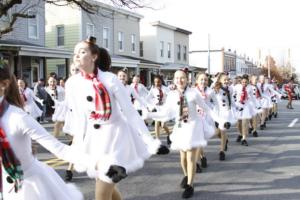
(221, 155)
(239, 138)
(275, 115)
(162, 150)
(188, 192)
(198, 168)
(169, 142)
(250, 131)
(204, 162)
(255, 134)
(291, 107)
(69, 175)
(262, 127)
(226, 145)
(244, 143)
(270, 117)
(265, 125)
(183, 183)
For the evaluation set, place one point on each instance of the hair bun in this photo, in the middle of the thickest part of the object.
(91, 39)
(245, 76)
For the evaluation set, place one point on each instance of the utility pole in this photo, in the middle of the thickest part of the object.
(269, 70)
(208, 55)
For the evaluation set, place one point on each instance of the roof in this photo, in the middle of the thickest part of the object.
(28, 49)
(170, 27)
(142, 60)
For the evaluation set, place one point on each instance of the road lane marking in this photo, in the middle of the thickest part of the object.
(293, 123)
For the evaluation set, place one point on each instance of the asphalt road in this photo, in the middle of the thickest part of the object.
(268, 169)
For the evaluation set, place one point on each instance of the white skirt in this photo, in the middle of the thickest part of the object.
(117, 143)
(248, 111)
(209, 125)
(266, 103)
(59, 113)
(190, 135)
(227, 115)
(41, 182)
(33, 110)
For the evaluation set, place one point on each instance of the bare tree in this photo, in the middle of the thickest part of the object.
(9, 16)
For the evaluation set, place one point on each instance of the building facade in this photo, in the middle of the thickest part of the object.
(24, 48)
(165, 44)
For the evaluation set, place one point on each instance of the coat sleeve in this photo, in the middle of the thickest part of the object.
(132, 116)
(29, 126)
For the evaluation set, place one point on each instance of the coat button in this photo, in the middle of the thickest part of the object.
(178, 103)
(96, 126)
(89, 98)
(224, 105)
(224, 94)
(9, 180)
(224, 100)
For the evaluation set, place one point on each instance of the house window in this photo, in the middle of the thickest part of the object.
(141, 49)
(161, 49)
(105, 38)
(121, 41)
(33, 26)
(61, 70)
(133, 38)
(60, 30)
(90, 30)
(178, 52)
(184, 53)
(169, 50)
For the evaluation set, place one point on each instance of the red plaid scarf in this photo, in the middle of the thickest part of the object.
(202, 91)
(136, 88)
(22, 92)
(244, 95)
(9, 161)
(102, 99)
(161, 96)
(258, 95)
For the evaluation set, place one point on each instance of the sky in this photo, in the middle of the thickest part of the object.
(242, 25)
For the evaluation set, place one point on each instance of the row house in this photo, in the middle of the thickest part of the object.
(220, 60)
(167, 45)
(24, 47)
(117, 30)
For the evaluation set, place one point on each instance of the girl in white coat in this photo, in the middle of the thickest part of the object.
(157, 97)
(244, 108)
(188, 131)
(207, 95)
(257, 105)
(30, 178)
(29, 98)
(57, 94)
(224, 106)
(105, 124)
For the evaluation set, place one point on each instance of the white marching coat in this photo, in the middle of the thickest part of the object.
(60, 109)
(209, 123)
(257, 99)
(266, 92)
(30, 105)
(222, 107)
(189, 134)
(246, 109)
(122, 140)
(41, 182)
(142, 93)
